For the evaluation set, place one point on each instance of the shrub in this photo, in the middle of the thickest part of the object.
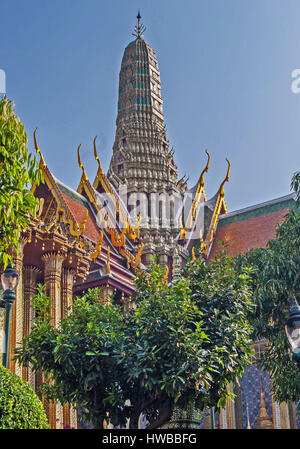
(20, 407)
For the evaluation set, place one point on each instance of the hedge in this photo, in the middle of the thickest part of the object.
(20, 407)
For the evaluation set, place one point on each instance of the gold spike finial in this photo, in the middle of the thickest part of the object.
(81, 165)
(201, 180)
(42, 161)
(78, 157)
(221, 190)
(96, 156)
(200, 188)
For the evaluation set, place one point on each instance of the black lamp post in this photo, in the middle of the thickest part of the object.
(292, 329)
(9, 281)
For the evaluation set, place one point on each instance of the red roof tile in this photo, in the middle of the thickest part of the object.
(243, 235)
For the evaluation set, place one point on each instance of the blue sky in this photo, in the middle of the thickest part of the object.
(226, 83)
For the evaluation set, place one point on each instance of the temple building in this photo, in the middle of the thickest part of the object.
(98, 235)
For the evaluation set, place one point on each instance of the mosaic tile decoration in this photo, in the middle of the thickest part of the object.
(251, 383)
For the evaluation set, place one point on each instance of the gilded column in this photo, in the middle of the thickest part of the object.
(16, 322)
(67, 281)
(238, 408)
(284, 415)
(52, 278)
(223, 418)
(293, 415)
(30, 275)
(230, 410)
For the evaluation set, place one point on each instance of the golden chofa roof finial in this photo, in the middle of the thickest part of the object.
(84, 176)
(221, 190)
(201, 179)
(200, 189)
(100, 170)
(42, 161)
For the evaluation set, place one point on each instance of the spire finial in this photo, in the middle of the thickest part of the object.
(221, 189)
(84, 176)
(139, 27)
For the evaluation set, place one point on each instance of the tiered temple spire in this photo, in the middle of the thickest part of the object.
(141, 157)
(143, 161)
(141, 149)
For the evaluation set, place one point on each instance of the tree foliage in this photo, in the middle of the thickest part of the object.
(18, 170)
(184, 341)
(223, 295)
(276, 281)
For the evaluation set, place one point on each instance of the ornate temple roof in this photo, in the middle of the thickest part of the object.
(84, 222)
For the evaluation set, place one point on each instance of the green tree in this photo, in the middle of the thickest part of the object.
(81, 356)
(276, 281)
(224, 297)
(165, 362)
(18, 170)
(184, 341)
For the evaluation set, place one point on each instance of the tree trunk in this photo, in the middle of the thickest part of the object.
(134, 421)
